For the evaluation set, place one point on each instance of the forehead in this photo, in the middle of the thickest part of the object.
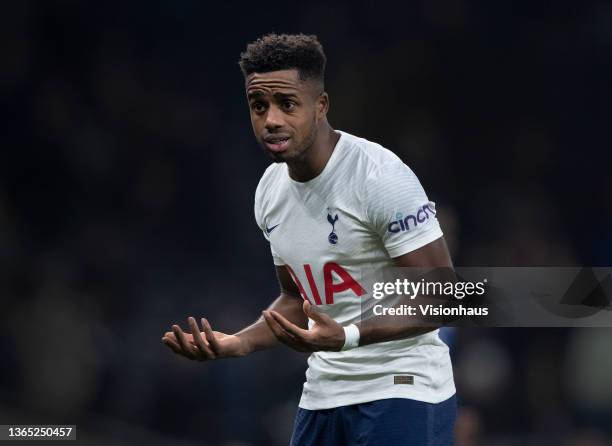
(287, 81)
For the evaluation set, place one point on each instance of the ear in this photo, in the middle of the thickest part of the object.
(322, 106)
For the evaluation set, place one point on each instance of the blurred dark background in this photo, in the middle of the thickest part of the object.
(128, 170)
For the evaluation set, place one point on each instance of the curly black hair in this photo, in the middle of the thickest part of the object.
(274, 52)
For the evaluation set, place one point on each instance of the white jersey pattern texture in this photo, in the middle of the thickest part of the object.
(365, 208)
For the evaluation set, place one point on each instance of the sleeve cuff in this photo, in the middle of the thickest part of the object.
(415, 243)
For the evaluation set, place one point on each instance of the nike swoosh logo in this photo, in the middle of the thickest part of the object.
(269, 230)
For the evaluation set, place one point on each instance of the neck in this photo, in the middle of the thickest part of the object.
(315, 159)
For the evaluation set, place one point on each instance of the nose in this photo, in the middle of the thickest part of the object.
(274, 118)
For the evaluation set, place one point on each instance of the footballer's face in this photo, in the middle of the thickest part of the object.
(285, 112)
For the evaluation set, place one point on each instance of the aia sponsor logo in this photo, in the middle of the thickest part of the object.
(331, 269)
(402, 223)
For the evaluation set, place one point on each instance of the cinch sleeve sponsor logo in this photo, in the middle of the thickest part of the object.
(403, 223)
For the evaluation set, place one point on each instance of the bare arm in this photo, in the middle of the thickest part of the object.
(208, 344)
(286, 321)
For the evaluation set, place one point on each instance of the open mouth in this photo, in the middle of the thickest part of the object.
(277, 144)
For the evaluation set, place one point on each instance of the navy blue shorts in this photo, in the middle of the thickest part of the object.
(392, 422)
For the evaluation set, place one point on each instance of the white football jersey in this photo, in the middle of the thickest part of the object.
(365, 208)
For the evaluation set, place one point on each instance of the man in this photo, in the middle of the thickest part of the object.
(332, 207)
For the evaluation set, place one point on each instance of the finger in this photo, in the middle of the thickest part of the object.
(306, 307)
(299, 333)
(282, 335)
(186, 347)
(170, 335)
(274, 326)
(173, 345)
(317, 316)
(204, 350)
(210, 336)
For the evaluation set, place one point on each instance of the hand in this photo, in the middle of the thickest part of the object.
(325, 334)
(205, 345)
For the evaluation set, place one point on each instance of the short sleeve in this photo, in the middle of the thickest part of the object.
(278, 261)
(397, 208)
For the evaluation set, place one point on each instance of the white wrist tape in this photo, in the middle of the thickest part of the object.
(351, 337)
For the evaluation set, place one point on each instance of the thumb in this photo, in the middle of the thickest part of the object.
(312, 313)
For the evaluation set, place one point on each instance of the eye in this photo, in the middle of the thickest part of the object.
(288, 105)
(258, 107)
